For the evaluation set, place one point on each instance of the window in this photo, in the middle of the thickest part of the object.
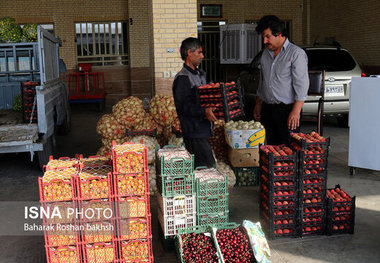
(102, 44)
(330, 60)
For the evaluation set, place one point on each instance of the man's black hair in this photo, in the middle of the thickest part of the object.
(191, 43)
(274, 23)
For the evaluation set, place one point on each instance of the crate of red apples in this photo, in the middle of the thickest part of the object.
(226, 98)
(340, 212)
(278, 191)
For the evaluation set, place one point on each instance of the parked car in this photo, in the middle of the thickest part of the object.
(339, 66)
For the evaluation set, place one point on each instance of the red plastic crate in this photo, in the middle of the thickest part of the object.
(65, 235)
(58, 189)
(129, 158)
(136, 250)
(96, 210)
(131, 184)
(66, 254)
(134, 228)
(94, 182)
(132, 206)
(93, 161)
(64, 209)
(98, 232)
(100, 252)
(60, 163)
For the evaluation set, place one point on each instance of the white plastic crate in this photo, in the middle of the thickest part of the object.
(240, 43)
(171, 224)
(178, 205)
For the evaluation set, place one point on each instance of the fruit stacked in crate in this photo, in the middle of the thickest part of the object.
(95, 193)
(176, 191)
(340, 212)
(278, 191)
(226, 98)
(29, 103)
(212, 196)
(222, 243)
(131, 188)
(313, 156)
(57, 189)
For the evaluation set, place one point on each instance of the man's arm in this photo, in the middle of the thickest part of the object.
(257, 109)
(295, 115)
(185, 101)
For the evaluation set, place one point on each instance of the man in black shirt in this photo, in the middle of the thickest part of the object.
(196, 121)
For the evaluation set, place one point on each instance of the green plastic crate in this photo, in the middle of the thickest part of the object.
(171, 186)
(196, 230)
(212, 187)
(175, 166)
(212, 205)
(247, 176)
(213, 219)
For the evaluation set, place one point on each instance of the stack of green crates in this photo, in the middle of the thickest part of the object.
(212, 200)
(176, 194)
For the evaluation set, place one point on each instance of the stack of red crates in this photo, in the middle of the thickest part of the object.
(94, 193)
(278, 191)
(131, 188)
(57, 189)
(340, 212)
(226, 98)
(313, 156)
(28, 98)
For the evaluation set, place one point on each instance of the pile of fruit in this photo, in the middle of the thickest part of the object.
(340, 211)
(94, 182)
(226, 98)
(234, 245)
(99, 252)
(279, 190)
(198, 248)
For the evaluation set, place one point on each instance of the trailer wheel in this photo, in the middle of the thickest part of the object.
(65, 128)
(43, 156)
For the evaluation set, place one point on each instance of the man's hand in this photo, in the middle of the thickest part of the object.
(293, 120)
(295, 115)
(210, 115)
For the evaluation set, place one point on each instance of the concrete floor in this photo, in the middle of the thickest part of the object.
(19, 182)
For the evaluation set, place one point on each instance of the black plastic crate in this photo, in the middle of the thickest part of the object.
(246, 176)
(304, 144)
(278, 194)
(279, 203)
(275, 231)
(312, 228)
(342, 226)
(279, 182)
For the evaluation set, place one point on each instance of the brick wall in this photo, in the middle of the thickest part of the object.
(354, 24)
(172, 22)
(237, 12)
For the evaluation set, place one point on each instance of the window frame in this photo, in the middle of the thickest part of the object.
(109, 43)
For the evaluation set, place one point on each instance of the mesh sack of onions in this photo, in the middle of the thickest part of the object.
(163, 110)
(225, 169)
(150, 143)
(129, 112)
(218, 142)
(152, 179)
(175, 141)
(109, 127)
(103, 151)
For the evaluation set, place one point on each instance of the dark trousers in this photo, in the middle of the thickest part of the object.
(274, 117)
(202, 151)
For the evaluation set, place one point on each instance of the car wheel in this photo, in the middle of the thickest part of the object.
(343, 121)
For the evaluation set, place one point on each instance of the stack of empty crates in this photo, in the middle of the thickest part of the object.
(313, 156)
(212, 197)
(278, 191)
(131, 194)
(176, 192)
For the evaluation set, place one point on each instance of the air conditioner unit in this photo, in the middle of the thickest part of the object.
(239, 43)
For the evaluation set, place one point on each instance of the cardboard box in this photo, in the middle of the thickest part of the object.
(243, 139)
(244, 157)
